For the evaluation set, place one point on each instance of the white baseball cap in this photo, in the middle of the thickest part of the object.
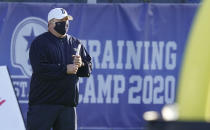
(58, 13)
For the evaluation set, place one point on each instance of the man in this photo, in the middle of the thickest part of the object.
(56, 67)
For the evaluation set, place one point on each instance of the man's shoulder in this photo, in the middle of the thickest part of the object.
(42, 36)
(40, 39)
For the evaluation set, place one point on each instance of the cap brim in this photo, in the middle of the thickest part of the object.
(69, 17)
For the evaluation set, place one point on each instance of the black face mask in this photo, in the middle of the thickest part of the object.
(60, 27)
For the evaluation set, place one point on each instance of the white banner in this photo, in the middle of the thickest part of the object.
(10, 114)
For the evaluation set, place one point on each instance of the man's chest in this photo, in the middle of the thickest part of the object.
(61, 52)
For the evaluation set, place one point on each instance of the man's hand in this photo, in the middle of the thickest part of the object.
(72, 69)
(77, 60)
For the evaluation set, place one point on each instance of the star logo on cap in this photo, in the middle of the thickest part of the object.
(63, 11)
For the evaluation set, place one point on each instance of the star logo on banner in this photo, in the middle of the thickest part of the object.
(22, 37)
(29, 39)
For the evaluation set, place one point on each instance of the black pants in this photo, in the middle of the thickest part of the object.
(45, 117)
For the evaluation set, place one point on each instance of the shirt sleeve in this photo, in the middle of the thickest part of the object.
(85, 70)
(40, 63)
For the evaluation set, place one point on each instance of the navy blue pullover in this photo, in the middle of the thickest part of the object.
(50, 83)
